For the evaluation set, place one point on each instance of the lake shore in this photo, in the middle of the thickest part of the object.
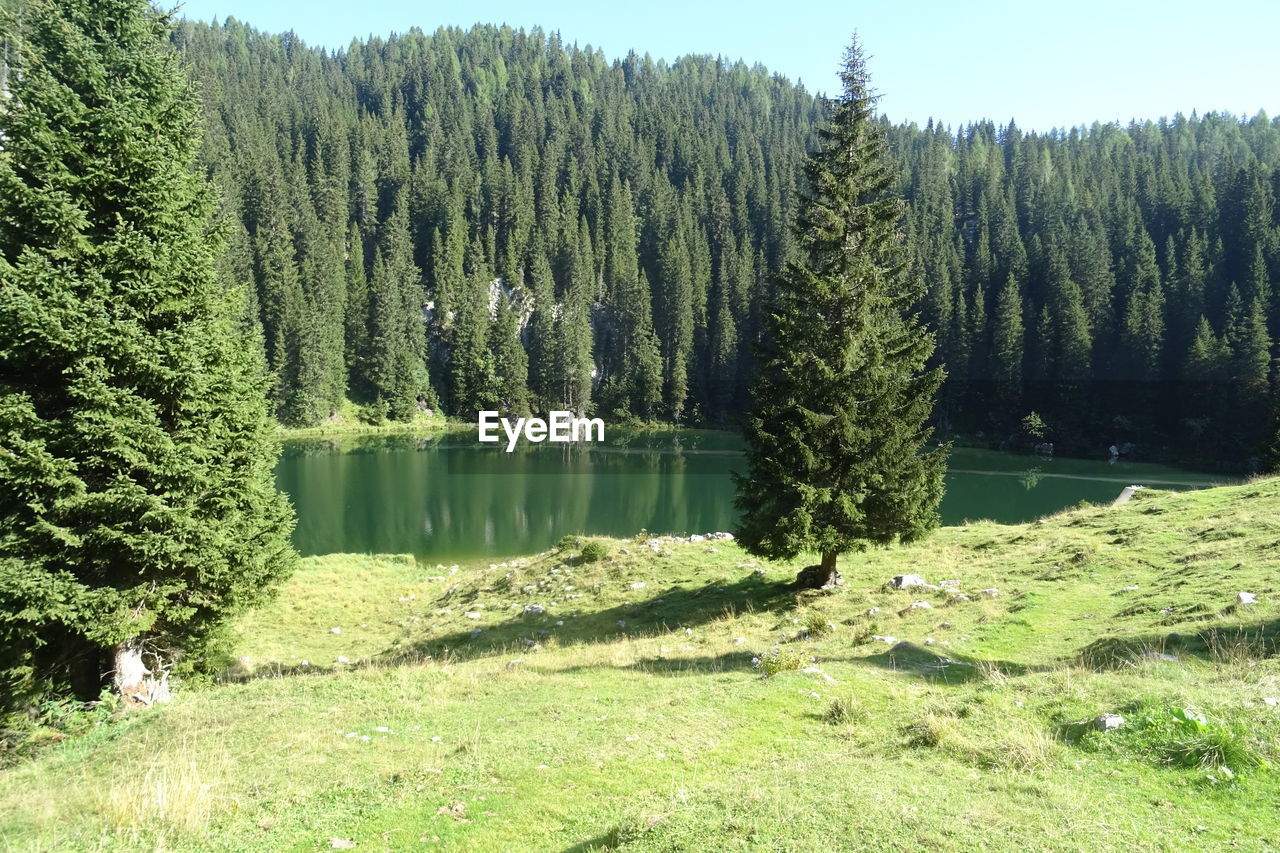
(690, 692)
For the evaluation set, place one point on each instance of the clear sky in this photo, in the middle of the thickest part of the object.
(1045, 64)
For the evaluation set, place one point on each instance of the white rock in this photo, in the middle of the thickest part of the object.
(343, 659)
(560, 623)
(473, 615)
(1271, 700)
(739, 641)
(909, 581)
(534, 609)
(928, 641)
(1246, 598)
(957, 598)
(476, 632)
(990, 592)
(873, 611)
(622, 623)
(1128, 588)
(335, 630)
(920, 605)
(697, 537)
(1108, 722)
(639, 585)
(892, 641)
(382, 729)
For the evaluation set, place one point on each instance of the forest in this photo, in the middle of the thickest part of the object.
(495, 219)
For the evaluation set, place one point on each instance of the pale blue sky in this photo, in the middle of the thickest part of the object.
(1044, 64)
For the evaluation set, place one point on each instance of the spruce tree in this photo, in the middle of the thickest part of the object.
(137, 504)
(837, 429)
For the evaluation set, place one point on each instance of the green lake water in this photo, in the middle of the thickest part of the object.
(449, 498)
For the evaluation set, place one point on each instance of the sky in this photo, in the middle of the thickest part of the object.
(1043, 64)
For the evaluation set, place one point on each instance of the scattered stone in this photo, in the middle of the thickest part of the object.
(957, 598)
(473, 615)
(476, 632)
(714, 550)
(1244, 599)
(639, 585)
(386, 729)
(1108, 722)
(1128, 588)
(928, 641)
(343, 659)
(920, 605)
(622, 623)
(758, 571)
(624, 551)
(559, 623)
(739, 641)
(1271, 700)
(335, 630)
(534, 609)
(512, 664)
(342, 844)
(892, 641)
(697, 537)
(1166, 611)
(688, 630)
(872, 611)
(991, 592)
(909, 581)
(948, 584)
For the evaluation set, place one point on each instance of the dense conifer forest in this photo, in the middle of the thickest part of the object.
(491, 218)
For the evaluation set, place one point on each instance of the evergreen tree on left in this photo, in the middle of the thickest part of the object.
(137, 503)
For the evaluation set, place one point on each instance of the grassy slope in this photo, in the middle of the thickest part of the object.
(660, 735)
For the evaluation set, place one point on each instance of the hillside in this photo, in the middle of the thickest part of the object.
(397, 706)
(1120, 281)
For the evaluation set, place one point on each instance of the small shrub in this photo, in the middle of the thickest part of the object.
(594, 552)
(843, 711)
(778, 659)
(374, 414)
(864, 633)
(815, 624)
(568, 543)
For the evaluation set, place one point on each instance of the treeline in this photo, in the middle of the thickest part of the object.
(493, 219)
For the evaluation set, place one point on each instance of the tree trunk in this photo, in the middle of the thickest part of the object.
(829, 569)
(821, 576)
(137, 685)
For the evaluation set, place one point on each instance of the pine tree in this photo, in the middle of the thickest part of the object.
(835, 435)
(137, 505)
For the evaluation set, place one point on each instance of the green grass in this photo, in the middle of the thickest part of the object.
(641, 723)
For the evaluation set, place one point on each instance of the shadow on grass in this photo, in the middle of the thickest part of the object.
(672, 609)
(1219, 644)
(941, 665)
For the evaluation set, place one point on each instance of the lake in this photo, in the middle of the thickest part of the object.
(448, 498)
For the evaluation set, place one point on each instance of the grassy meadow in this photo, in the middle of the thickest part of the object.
(551, 703)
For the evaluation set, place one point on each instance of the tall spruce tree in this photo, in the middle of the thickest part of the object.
(137, 505)
(836, 433)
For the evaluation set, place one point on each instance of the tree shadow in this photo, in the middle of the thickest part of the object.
(1239, 642)
(672, 609)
